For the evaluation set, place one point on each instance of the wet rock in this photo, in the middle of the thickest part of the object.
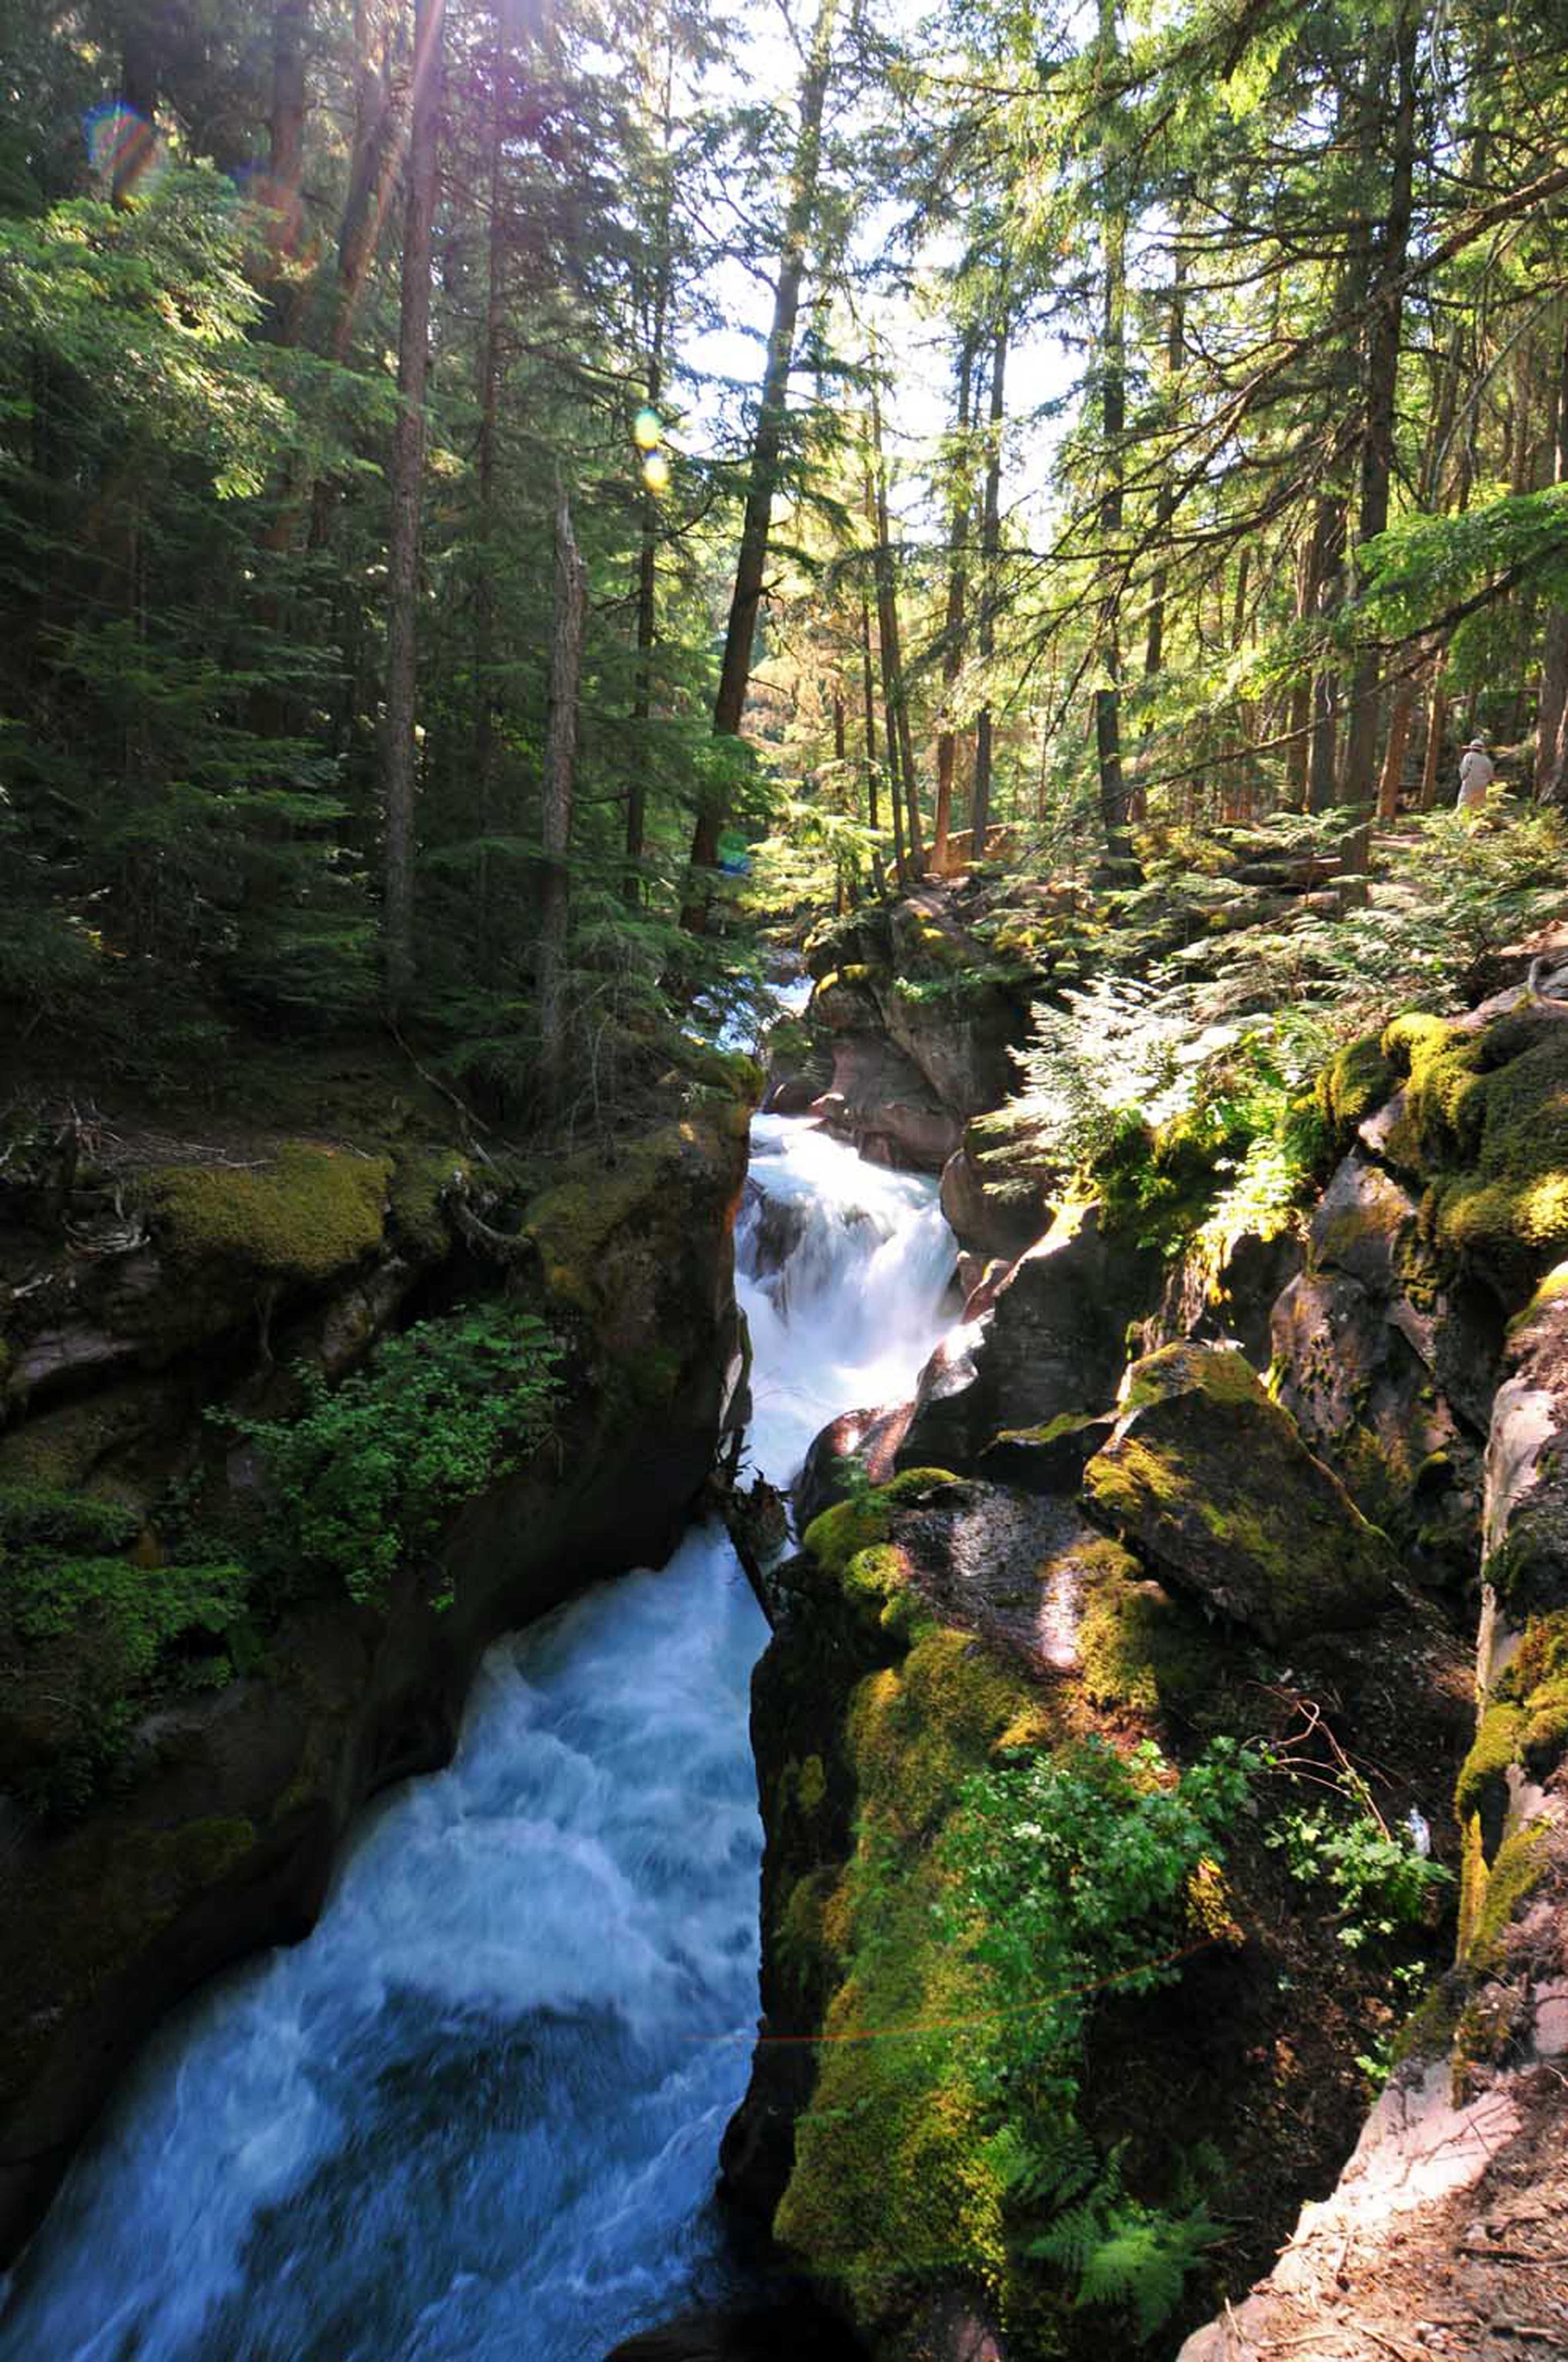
(1210, 1484)
(792, 1094)
(883, 1103)
(859, 1446)
(1051, 1343)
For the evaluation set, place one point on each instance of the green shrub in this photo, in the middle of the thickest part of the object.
(1379, 1883)
(1072, 1872)
(362, 1481)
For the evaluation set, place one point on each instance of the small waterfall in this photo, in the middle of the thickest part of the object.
(475, 2116)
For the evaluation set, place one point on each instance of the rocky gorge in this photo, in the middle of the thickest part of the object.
(182, 1791)
(1305, 1500)
(1216, 1544)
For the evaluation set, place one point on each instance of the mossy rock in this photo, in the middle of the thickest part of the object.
(842, 1534)
(573, 1223)
(894, 2187)
(1525, 1725)
(310, 1215)
(118, 1440)
(422, 1179)
(1356, 1082)
(1209, 1483)
(1485, 1117)
(1143, 1648)
(1495, 1897)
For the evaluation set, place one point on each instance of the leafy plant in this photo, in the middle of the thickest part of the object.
(362, 1480)
(1070, 1874)
(1124, 2253)
(1380, 1883)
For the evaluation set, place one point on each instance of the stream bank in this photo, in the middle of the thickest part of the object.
(244, 1745)
(1148, 1500)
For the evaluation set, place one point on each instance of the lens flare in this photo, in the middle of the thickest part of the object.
(125, 148)
(656, 472)
(647, 431)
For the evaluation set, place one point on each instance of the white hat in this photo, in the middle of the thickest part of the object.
(1476, 742)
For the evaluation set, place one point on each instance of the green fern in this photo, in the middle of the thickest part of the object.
(1050, 2176)
(1123, 2253)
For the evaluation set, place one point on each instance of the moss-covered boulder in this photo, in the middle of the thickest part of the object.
(302, 1217)
(1483, 1118)
(1210, 1484)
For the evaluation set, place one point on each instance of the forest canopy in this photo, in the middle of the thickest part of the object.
(469, 471)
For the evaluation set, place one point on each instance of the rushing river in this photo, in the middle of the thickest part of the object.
(475, 2116)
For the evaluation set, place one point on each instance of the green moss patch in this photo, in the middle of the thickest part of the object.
(1357, 1080)
(893, 2184)
(1142, 1648)
(1209, 1483)
(420, 1181)
(1486, 1118)
(313, 1213)
(840, 1534)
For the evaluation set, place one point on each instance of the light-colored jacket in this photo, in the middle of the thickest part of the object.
(1477, 772)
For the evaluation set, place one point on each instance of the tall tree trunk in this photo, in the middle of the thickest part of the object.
(1437, 722)
(901, 747)
(1113, 800)
(285, 163)
(487, 706)
(958, 586)
(407, 486)
(767, 447)
(1394, 755)
(1380, 385)
(1552, 716)
(1328, 564)
(663, 267)
(1164, 499)
(555, 815)
(868, 680)
(990, 563)
(887, 643)
(381, 121)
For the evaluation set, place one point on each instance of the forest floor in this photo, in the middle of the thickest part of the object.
(1476, 2270)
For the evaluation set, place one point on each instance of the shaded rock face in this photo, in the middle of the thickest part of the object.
(1387, 1361)
(1234, 1304)
(223, 1835)
(1209, 1483)
(1050, 1343)
(881, 1101)
(986, 1222)
(1527, 1461)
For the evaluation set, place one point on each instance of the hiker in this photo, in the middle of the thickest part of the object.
(1477, 771)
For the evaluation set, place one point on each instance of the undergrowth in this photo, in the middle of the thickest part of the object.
(360, 1482)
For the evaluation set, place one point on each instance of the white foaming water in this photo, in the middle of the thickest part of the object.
(475, 2116)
